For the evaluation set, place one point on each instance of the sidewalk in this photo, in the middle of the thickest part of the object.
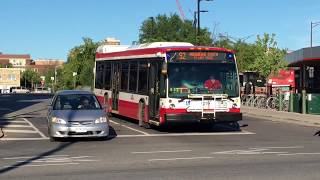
(288, 117)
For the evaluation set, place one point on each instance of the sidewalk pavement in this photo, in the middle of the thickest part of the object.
(281, 116)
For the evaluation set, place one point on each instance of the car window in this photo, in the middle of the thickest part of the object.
(76, 102)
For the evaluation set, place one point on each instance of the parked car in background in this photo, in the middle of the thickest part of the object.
(42, 90)
(20, 90)
(75, 113)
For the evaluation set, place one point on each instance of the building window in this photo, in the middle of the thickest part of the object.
(12, 77)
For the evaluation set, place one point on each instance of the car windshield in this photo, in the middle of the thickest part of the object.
(202, 78)
(76, 102)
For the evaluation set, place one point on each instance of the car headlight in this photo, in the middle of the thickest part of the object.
(101, 120)
(58, 120)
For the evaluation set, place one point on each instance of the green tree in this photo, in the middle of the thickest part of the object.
(262, 56)
(80, 60)
(31, 77)
(268, 57)
(172, 28)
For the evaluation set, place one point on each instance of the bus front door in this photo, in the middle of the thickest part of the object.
(115, 86)
(154, 95)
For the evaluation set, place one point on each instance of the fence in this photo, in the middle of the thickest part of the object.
(277, 102)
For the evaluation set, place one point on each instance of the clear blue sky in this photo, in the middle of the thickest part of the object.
(50, 28)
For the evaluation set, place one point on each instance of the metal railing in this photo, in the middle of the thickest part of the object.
(264, 102)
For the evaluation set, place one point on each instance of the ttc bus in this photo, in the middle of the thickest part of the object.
(166, 82)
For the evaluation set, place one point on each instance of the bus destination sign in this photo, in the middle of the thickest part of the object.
(200, 55)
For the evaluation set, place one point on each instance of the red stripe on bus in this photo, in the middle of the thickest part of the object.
(156, 50)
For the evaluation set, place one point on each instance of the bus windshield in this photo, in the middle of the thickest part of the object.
(202, 78)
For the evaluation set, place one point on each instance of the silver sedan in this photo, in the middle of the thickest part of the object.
(74, 113)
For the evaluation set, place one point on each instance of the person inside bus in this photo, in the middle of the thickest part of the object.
(212, 83)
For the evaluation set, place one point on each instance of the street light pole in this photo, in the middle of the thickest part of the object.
(313, 25)
(198, 14)
(74, 74)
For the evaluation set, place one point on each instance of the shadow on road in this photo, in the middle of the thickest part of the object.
(28, 161)
(204, 127)
(14, 102)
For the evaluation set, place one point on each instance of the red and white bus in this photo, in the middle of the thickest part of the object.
(167, 82)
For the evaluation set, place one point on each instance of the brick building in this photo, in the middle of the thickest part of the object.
(9, 77)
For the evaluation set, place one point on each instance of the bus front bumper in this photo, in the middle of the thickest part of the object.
(196, 117)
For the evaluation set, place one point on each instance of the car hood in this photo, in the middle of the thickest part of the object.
(78, 115)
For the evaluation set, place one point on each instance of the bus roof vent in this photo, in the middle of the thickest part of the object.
(111, 48)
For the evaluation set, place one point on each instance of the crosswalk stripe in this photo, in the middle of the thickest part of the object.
(36, 129)
(15, 126)
(12, 121)
(19, 131)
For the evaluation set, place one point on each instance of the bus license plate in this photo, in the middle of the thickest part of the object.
(222, 104)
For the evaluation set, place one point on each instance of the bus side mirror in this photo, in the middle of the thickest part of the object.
(164, 69)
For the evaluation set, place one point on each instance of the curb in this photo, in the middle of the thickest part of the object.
(273, 117)
(279, 119)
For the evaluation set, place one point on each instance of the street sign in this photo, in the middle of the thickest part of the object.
(74, 73)
(52, 78)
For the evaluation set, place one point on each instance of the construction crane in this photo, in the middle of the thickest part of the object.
(181, 11)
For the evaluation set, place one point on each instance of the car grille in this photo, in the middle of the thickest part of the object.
(71, 133)
(80, 123)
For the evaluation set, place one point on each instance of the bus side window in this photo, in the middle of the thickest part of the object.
(107, 75)
(124, 76)
(143, 78)
(133, 77)
(99, 75)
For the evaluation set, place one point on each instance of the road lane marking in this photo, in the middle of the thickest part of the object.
(175, 159)
(23, 139)
(279, 147)
(293, 154)
(12, 121)
(19, 131)
(114, 122)
(28, 157)
(133, 129)
(154, 152)
(40, 165)
(41, 134)
(86, 160)
(13, 126)
(185, 134)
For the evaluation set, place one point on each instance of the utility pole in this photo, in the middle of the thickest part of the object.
(198, 14)
(313, 25)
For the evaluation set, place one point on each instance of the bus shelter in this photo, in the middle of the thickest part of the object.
(306, 65)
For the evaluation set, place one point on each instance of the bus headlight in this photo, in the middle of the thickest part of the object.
(101, 120)
(58, 120)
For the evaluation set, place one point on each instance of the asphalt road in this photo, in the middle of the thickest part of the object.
(265, 149)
